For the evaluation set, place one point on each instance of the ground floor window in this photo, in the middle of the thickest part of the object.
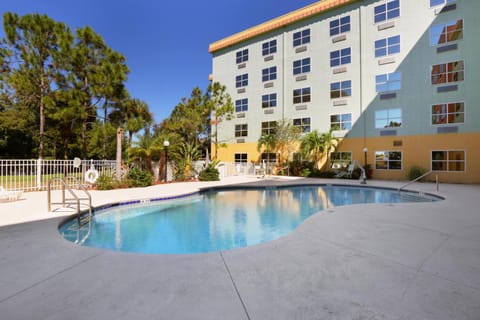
(388, 160)
(241, 158)
(270, 157)
(448, 160)
(340, 159)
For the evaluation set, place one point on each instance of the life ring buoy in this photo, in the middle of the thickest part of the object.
(91, 176)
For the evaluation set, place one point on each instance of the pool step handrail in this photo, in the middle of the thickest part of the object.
(418, 178)
(363, 176)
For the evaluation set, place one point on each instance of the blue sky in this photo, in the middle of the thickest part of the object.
(165, 42)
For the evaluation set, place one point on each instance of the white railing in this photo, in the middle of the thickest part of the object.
(33, 175)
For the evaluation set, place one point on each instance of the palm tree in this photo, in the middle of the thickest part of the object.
(146, 149)
(312, 145)
(269, 143)
(330, 143)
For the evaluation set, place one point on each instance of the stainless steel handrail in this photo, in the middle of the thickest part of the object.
(418, 178)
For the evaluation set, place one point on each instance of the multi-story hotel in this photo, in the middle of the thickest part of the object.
(398, 82)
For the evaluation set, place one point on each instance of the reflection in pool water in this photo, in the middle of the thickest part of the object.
(218, 220)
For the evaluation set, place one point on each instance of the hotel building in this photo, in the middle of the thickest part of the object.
(398, 82)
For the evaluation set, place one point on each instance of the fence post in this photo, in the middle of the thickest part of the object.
(39, 174)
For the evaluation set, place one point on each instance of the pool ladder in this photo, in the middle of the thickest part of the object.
(82, 219)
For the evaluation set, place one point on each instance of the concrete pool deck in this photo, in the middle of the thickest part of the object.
(370, 261)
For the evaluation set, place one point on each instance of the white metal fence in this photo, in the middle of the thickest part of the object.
(33, 175)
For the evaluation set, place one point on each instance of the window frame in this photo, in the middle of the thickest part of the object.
(448, 161)
(388, 160)
(304, 66)
(270, 127)
(241, 56)
(389, 13)
(340, 57)
(443, 3)
(240, 158)
(448, 75)
(338, 28)
(302, 96)
(269, 100)
(301, 37)
(343, 162)
(446, 114)
(241, 105)
(241, 130)
(443, 27)
(269, 47)
(305, 124)
(241, 81)
(388, 118)
(341, 121)
(388, 82)
(344, 89)
(269, 74)
(388, 48)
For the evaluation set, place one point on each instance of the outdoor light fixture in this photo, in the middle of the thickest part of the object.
(365, 151)
(166, 143)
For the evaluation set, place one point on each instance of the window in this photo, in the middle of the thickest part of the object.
(340, 57)
(302, 123)
(269, 100)
(269, 127)
(447, 32)
(434, 3)
(341, 89)
(241, 105)
(448, 160)
(340, 159)
(387, 46)
(341, 121)
(242, 56)
(447, 72)
(241, 130)
(388, 160)
(241, 81)
(447, 113)
(301, 66)
(269, 47)
(339, 26)
(269, 74)
(301, 95)
(301, 37)
(387, 11)
(241, 158)
(388, 118)
(388, 82)
(270, 157)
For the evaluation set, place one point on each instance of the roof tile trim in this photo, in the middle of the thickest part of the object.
(279, 22)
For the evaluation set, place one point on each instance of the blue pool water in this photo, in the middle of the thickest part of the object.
(218, 220)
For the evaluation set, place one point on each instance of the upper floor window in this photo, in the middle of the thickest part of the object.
(388, 118)
(269, 100)
(269, 47)
(446, 32)
(269, 127)
(388, 160)
(446, 113)
(302, 123)
(242, 56)
(434, 3)
(388, 82)
(241, 130)
(448, 160)
(340, 25)
(301, 37)
(241, 81)
(241, 158)
(301, 66)
(447, 72)
(341, 121)
(387, 11)
(301, 95)
(269, 74)
(340, 159)
(341, 89)
(241, 105)
(387, 46)
(339, 57)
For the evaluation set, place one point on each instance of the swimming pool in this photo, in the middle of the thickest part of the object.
(218, 220)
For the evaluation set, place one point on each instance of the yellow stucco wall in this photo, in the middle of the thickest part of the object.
(416, 150)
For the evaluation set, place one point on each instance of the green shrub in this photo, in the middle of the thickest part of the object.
(415, 172)
(105, 182)
(210, 173)
(305, 172)
(139, 178)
